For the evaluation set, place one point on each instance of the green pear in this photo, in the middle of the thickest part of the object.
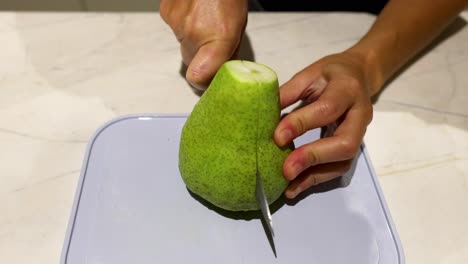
(229, 128)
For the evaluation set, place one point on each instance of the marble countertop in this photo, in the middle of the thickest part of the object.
(62, 75)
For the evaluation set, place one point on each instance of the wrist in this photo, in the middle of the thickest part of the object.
(369, 59)
(379, 50)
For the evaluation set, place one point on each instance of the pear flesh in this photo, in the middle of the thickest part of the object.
(229, 128)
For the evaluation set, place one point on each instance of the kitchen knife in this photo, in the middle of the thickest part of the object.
(263, 202)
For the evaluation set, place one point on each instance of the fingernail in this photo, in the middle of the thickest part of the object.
(198, 87)
(296, 168)
(285, 136)
(196, 79)
(291, 194)
(297, 191)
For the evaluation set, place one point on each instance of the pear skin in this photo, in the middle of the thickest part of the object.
(233, 120)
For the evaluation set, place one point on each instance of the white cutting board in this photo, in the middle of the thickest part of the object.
(131, 206)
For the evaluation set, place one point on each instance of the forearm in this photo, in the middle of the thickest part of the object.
(402, 29)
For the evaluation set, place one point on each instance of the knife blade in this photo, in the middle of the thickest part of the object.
(260, 191)
(263, 202)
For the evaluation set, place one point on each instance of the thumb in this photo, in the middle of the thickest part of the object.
(207, 61)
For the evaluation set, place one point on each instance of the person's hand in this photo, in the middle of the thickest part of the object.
(209, 32)
(337, 92)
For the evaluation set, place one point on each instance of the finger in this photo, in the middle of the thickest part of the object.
(327, 109)
(306, 84)
(355, 123)
(316, 175)
(207, 60)
(343, 145)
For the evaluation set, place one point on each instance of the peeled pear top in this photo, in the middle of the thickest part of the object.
(229, 128)
(248, 72)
